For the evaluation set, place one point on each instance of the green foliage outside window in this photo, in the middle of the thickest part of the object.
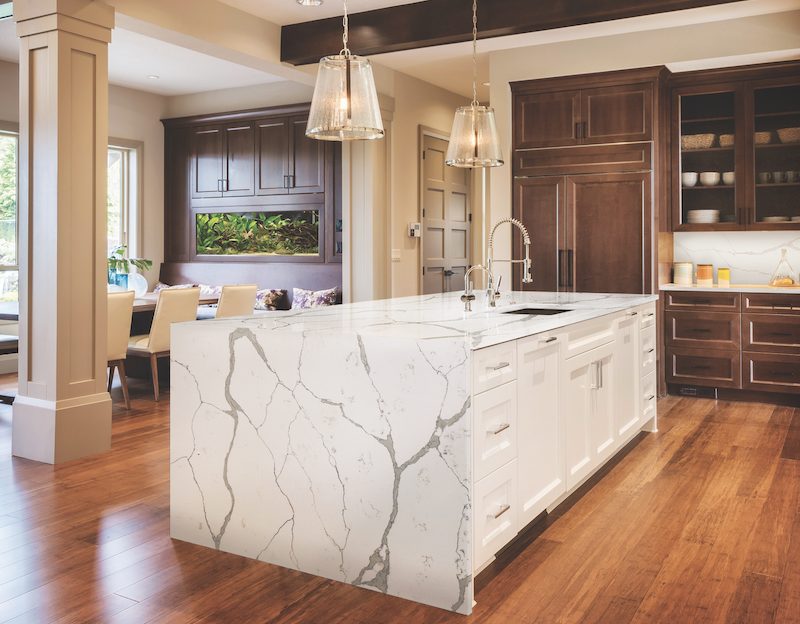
(295, 233)
(8, 178)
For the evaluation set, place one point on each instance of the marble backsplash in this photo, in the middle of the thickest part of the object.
(752, 257)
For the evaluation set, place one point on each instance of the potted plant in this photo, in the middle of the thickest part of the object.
(119, 266)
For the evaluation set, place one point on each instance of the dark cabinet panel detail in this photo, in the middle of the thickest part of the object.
(615, 114)
(771, 372)
(771, 332)
(709, 301)
(539, 200)
(178, 224)
(721, 369)
(239, 164)
(768, 303)
(306, 160)
(272, 162)
(702, 330)
(548, 119)
(207, 170)
(584, 159)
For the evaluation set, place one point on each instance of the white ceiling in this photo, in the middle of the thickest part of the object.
(134, 55)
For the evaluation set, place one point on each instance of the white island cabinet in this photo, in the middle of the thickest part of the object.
(398, 445)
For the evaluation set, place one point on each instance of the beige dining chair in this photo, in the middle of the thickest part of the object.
(120, 312)
(236, 300)
(173, 306)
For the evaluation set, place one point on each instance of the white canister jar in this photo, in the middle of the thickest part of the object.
(683, 273)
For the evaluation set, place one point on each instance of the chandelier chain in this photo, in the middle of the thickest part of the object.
(345, 50)
(474, 52)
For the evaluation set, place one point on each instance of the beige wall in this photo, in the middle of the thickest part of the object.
(9, 91)
(731, 42)
(417, 103)
(135, 116)
(242, 98)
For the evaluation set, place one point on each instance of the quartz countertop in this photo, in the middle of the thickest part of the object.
(745, 288)
(431, 317)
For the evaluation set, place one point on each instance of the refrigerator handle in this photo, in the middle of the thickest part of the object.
(559, 268)
(569, 268)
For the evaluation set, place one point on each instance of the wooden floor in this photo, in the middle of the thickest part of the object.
(697, 523)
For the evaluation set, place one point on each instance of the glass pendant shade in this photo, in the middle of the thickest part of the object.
(345, 104)
(473, 140)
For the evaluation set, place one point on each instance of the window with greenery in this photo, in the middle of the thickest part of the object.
(259, 233)
(117, 197)
(9, 269)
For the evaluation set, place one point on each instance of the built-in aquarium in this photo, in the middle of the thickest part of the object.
(287, 233)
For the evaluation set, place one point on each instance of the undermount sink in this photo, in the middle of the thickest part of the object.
(532, 311)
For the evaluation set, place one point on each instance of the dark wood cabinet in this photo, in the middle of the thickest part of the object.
(222, 161)
(584, 116)
(287, 161)
(741, 128)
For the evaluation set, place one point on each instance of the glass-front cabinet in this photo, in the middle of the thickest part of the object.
(776, 154)
(710, 186)
(736, 151)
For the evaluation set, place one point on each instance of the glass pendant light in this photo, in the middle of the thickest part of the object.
(473, 140)
(345, 104)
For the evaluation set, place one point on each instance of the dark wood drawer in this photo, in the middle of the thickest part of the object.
(720, 369)
(583, 159)
(771, 372)
(702, 330)
(711, 301)
(773, 333)
(768, 303)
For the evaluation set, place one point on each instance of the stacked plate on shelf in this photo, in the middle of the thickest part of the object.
(702, 216)
(779, 219)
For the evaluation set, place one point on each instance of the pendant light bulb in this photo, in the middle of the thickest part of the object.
(473, 140)
(345, 103)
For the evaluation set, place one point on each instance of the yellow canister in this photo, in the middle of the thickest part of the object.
(723, 278)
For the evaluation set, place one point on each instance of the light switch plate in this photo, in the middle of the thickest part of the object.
(395, 255)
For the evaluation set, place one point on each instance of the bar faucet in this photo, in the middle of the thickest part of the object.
(491, 293)
(468, 297)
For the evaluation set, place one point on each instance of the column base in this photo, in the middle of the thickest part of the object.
(54, 432)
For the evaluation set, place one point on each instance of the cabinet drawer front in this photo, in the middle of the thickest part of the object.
(583, 159)
(768, 303)
(583, 337)
(495, 521)
(771, 372)
(494, 429)
(771, 332)
(720, 369)
(702, 330)
(649, 355)
(493, 366)
(648, 314)
(649, 397)
(714, 301)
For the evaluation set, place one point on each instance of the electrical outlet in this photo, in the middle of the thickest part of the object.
(395, 255)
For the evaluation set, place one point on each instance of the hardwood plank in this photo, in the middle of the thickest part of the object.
(791, 448)
(756, 599)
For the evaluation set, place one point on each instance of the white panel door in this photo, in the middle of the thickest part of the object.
(540, 450)
(627, 387)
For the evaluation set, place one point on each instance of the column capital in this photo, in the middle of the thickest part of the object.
(87, 18)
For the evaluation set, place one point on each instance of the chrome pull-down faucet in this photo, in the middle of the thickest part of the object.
(468, 297)
(491, 294)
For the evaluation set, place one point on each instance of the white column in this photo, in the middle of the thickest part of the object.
(62, 411)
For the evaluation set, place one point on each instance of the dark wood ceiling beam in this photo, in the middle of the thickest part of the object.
(438, 22)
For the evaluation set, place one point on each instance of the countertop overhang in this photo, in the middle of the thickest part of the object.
(744, 288)
(442, 316)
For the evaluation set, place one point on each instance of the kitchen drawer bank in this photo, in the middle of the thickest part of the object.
(398, 444)
(744, 339)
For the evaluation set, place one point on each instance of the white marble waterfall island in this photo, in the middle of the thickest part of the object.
(397, 445)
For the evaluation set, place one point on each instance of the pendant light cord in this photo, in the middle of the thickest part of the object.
(474, 52)
(345, 50)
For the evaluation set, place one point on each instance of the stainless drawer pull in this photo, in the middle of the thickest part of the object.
(551, 339)
(783, 373)
(702, 367)
(632, 313)
(500, 365)
(707, 301)
(648, 315)
(503, 509)
(651, 397)
(501, 428)
(781, 334)
(650, 350)
(702, 331)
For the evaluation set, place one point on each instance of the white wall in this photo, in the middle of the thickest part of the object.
(242, 98)
(9, 91)
(738, 41)
(136, 115)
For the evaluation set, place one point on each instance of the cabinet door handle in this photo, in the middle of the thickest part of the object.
(583, 134)
(649, 315)
(219, 186)
(702, 331)
(650, 350)
(783, 373)
(500, 428)
(286, 181)
(553, 339)
(577, 130)
(503, 509)
(291, 181)
(781, 334)
(569, 268)
(499, 366)
(560, 268)
(632, 313)
(651, 397)
(225, 185)
(702, 367)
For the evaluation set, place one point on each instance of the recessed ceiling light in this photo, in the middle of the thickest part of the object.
(309, 2)
(151, 77)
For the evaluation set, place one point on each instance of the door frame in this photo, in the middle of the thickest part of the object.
(424, 131)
